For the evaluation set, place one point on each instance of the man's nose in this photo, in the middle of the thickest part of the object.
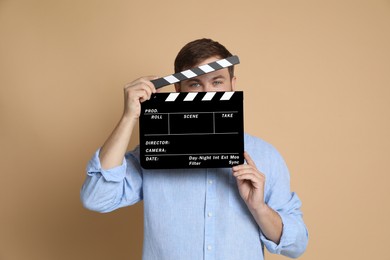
(208, 87)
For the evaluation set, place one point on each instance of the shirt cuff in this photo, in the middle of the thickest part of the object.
(288, 236)
(115, 174)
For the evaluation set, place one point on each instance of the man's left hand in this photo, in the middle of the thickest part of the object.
(250, 182)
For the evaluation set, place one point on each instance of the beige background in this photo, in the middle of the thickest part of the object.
(316, 78)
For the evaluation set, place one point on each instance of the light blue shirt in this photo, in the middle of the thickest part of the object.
(198, 213)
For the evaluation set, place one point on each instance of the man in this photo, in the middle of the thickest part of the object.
(223, 213)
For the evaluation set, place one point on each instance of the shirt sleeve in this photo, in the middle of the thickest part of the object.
(294, 238)
(105, 190)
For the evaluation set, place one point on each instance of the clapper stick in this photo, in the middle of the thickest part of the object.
(194, 72)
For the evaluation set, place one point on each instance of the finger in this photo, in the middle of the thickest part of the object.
(249, 170)
(147, 81)
(256, 174)
(250, 177)
(147, 85)
(244, 171)
(147, 89)
(243, 167)
(142, 88)
(137, 91)
(144, 94)
(248, 159)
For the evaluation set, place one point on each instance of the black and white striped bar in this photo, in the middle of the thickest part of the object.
(206, 96)
(194, 72)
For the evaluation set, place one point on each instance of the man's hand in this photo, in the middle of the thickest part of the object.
(112, 152)
(250, 182)
(135, 93)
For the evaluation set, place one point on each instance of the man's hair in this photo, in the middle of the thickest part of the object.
(199, 50)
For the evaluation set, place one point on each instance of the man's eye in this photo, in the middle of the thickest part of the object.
(218, 82)
(195, 85)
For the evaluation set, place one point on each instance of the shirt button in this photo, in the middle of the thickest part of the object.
(209, 248)
(210, 182)
(210, 214)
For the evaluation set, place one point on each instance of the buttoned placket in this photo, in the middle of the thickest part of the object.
(209, 215)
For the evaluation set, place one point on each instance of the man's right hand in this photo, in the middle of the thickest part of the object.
(135, 93)
(112, 152)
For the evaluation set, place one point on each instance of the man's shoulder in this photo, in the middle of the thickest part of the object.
(261, 149)
(254, 142)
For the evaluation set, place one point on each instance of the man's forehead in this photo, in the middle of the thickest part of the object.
(208, 60)
(222, 73)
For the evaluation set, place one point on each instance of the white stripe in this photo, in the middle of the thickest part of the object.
(189, 74)
(190, 96)
(172, 97)
(206, 68)
(171, 79)
(227, 95)
(208, 96)
(224, 63)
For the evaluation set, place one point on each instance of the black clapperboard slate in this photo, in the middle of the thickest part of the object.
(192, 130)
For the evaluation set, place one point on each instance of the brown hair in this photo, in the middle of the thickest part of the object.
(198, 50)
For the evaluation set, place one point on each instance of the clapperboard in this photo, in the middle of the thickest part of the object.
(192, 129)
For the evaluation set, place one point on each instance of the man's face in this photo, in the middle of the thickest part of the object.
(214, 81)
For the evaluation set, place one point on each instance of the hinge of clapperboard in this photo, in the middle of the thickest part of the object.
(194, 72)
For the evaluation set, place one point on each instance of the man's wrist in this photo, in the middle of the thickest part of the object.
(259, 209)
(128, 120)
